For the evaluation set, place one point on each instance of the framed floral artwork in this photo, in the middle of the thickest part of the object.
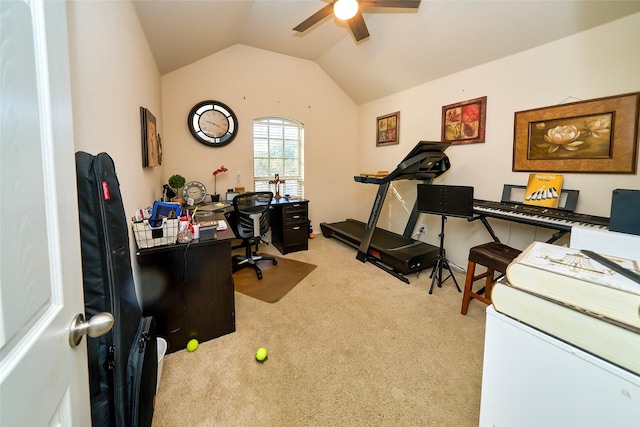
(594, 136)
(464, 122)
(387, 129)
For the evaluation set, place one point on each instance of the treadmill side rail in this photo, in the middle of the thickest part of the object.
(373, 220)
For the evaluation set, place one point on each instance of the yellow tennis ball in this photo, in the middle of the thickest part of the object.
(261, 354)
(192, 345)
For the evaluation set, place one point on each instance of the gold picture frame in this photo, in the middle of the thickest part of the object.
(151, 148)
(594, 136)
(464, 122)
(388, 129)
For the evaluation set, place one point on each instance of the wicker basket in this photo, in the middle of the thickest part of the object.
(162, 234)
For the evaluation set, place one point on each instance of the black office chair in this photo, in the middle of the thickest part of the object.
(249, 220)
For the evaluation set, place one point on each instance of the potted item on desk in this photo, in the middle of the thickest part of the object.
(215, 197)
(177, 182)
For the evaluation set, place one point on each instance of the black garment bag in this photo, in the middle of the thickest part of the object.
(123, 364)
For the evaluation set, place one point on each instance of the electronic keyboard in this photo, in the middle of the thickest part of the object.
(557, 219)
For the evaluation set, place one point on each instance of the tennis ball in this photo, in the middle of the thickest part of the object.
(192, 345)
(261, 354)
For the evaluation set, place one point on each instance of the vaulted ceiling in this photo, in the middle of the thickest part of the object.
(405, 48)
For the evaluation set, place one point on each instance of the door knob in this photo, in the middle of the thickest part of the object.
(99, 324)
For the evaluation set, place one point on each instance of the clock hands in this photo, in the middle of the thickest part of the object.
(215, 124)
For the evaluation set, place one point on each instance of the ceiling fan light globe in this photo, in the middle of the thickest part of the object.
(345, 9)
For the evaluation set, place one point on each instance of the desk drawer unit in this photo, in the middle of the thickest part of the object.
(289, 227)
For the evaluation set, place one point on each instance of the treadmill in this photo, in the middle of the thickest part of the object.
(396, 254)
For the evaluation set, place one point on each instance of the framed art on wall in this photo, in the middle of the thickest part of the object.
(387, 129)
(464, 122)
(151, 153)
(594, 136)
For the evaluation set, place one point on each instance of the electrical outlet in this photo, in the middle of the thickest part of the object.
(422, 230)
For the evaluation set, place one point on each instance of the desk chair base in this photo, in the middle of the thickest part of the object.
(240, 262)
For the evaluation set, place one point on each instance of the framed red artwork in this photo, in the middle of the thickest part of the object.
(464, 122)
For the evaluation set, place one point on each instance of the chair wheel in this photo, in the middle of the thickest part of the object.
(275, 261)
(259, 276)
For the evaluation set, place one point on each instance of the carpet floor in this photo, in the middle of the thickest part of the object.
(349, 345)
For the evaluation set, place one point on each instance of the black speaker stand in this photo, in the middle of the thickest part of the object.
(442, 263)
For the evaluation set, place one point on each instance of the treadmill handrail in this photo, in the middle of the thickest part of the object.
(402, 168)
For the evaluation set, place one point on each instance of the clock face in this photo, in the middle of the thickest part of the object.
(194, 190)
(212, 123)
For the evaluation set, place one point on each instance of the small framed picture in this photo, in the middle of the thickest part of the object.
(388, 129)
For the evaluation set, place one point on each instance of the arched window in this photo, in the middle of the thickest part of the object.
(278, 148)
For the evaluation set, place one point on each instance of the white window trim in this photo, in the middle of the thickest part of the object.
(295, 181)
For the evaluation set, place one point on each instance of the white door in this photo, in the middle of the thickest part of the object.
(43, 381)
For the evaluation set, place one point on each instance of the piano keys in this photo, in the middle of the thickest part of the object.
(555, 219)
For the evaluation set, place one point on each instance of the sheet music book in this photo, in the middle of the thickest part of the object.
(543, 190)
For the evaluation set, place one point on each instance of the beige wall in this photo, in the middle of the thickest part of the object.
(597, 63)
(113, 74)
(255, 83)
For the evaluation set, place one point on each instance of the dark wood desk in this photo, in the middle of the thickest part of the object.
(188, 289)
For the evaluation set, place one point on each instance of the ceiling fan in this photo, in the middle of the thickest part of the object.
(351, 11)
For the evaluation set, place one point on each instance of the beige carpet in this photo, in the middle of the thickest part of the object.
(348, 346)
(277, 280)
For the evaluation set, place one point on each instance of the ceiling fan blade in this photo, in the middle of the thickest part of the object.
(315, 18)
(358, 27)
(405, 4)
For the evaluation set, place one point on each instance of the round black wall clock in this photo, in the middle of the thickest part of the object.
(212, 123)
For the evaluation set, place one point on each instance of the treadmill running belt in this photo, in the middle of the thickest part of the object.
(403, 254)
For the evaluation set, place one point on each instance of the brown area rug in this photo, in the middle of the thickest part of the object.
(277, 280)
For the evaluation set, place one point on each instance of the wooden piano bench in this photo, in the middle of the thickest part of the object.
(495, 257)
